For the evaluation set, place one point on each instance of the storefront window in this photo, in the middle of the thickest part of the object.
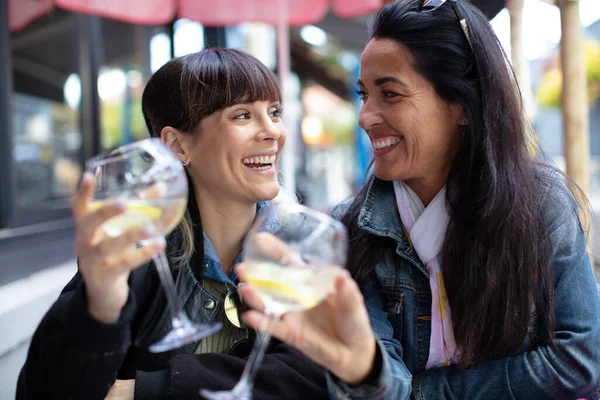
(45, 112)
(188, 37)
(131, 54)
(120, 90)
(123, 74)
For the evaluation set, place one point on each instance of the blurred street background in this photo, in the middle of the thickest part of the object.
(72, 74)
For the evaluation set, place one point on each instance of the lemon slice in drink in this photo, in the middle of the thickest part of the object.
(282, 291)
(135, 216)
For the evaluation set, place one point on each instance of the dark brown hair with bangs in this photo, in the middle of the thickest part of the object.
(186, 90)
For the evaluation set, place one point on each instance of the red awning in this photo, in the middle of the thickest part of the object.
(22, 12)
(207, 12)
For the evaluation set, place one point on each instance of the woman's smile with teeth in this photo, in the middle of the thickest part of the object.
(260, 163)
(386, 142)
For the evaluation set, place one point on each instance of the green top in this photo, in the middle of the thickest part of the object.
(221, 341)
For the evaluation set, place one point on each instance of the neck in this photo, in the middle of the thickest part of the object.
(226, 223)
(426, 189)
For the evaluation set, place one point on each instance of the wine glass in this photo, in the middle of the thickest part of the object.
(291, 255)
(151, 182)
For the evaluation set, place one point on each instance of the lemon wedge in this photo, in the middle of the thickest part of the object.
(135, 216)
(273, 286)
(280, 290)
(153, 212)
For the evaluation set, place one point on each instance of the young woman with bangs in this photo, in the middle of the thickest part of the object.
(219, 110)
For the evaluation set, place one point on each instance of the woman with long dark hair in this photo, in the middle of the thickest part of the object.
(469, 251)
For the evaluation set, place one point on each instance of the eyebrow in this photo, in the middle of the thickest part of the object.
(246, 101)
(385, 79)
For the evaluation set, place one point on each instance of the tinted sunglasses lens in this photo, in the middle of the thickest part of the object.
(430, 5)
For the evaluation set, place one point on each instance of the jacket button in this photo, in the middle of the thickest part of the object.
(209, 304)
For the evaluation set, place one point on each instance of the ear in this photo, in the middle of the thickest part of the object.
(175, 140)
(458, 112)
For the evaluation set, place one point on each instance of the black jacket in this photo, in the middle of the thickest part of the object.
(73, 356)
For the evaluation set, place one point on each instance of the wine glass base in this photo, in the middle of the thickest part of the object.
(183, 335)
(224, 395)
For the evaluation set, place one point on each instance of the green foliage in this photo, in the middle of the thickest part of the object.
(550, 90)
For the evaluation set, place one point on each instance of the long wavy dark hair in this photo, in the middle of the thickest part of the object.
(496, 266)
(186, 90)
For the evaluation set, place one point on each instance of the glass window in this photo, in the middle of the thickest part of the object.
(188, 37)
(256, 38)
(131, 54)
(121, 80)
(160, 50)
(45, 105)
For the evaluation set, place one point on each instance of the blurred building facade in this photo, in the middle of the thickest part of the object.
(71, 86)
(65, 96)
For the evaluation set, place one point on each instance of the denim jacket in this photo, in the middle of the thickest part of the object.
(398, 299)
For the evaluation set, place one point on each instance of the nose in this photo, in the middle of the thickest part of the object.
(271, 130)
(369, 115)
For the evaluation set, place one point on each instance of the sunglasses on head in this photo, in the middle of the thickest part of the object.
(426, 6)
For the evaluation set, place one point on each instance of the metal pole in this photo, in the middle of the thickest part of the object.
(90, 48)
(363, 148)
(215, 37)
(171, 33)
(7, 178)
(288, 159)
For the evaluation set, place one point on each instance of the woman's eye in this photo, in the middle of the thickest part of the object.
(389, 95)
(242, 115)
(362, 95)
(276, 113)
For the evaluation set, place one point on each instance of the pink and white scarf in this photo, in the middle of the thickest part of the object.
(426, 228)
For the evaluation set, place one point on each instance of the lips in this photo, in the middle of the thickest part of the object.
(260, 163)
(384, 144)
(387, 141)
(260, 160)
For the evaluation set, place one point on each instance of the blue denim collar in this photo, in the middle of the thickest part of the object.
(212, 264)
(379, 216)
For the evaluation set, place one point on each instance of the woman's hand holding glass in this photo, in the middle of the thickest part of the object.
(291, 257)
(113, 238)
(335, 334)
(105, 262)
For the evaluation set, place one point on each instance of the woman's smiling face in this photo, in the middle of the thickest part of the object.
(413, 131)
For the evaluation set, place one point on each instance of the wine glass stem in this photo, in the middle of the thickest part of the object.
(166, 278)
(246, 382)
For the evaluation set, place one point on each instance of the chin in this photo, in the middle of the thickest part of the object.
(388, 174)
(267, 192)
